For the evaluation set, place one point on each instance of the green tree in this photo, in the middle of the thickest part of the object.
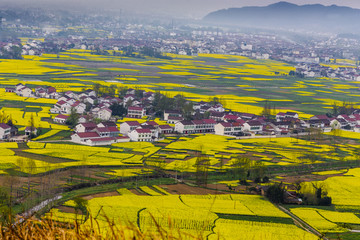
(111, 91)
(6, 212)
(73, 119)
(187, 110)
(268, 111)
(276, 193)
(30, 169)
(258, 171)
(179, 101)
(96, 87)
(118, 110)
(241, 167)
(202, 166)
(32, 126)
(122, 91)
(81, 206)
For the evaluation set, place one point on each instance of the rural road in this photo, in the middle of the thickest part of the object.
(303, 224)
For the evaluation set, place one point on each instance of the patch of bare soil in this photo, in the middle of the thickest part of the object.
(98, 195)
(307, 178)
(186, 189)
(135, 191)
(66, 209)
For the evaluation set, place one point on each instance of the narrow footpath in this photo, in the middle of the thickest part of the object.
(303, 224)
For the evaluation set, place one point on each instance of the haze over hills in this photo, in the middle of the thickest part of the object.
(284, 15)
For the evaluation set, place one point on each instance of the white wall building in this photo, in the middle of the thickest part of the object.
(141, 135)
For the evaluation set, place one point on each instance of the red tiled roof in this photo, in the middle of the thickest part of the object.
(88, 135)
(236, 124)
(104, 139)
(61, 102)
(113, 129)
(198, 122)
(254, 123)
(122, 137)
(240, 121)
(103, 129)
(226, 124)
(165, 127)
(209, 121)
(4, 126)
(175, 118)
(132, 123)
(291, 113)
(89, 125)
(28, 128)
(141, 130)
(106, 109)
(135, 108)
(152, 123)
(61, 116)
(75, 104)
(231, 117)
(108, 124)
(321, 116)
(187, 122)
(357, 116)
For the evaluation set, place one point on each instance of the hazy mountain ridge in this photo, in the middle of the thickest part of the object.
(282, 15)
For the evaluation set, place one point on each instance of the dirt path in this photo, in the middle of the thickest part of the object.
(303, 224)
(40, 206)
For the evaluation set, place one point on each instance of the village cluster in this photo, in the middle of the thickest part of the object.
(97, 126)
(316, 70)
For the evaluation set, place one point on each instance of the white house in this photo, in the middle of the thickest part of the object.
(18, 87)
(172, 115)
(165, 129)
(85, 127)
(61, 118)
(280, 116)
(291, 115)
(128, 126)
(104, 114)
(226, 128)
(101, 141)
(185, 126)
(90, 93)
(204, 125)
(25, 92)
(70, 94)
(29, 131)
(5, 131)
(82, 119)
(90, 100)
(82, 137)
(79, 107)
(63, 106)
(54, 95)
(216, 108)
(252, 126)
(357, 128)
(141, 135)
(107, 131)
(128, 98)
(136, 112)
